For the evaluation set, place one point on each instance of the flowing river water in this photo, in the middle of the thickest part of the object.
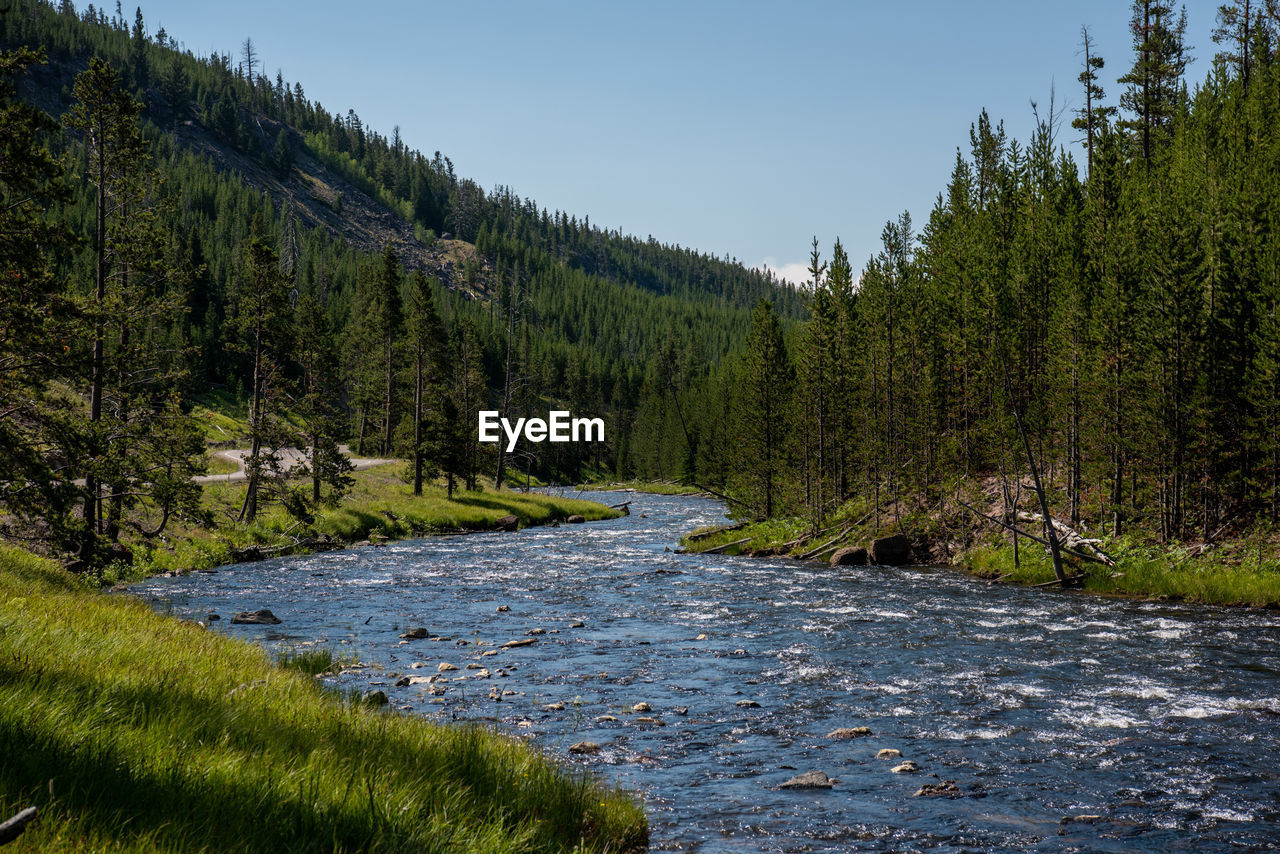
(1159, 720)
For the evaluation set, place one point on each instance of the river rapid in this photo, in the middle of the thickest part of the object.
(1160, 721)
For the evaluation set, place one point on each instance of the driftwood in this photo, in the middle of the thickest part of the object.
(1029, 536)
(1070, 538)
(829, 543)
(718, 549)
(13, 828)
(714, 531)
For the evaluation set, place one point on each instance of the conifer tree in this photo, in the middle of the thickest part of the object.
(762, 414)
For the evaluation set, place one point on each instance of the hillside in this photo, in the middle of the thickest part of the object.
(537, 310)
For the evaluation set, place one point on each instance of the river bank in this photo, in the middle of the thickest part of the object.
(134, 731)
(381, 507)
(1240, 569)
(708, 682)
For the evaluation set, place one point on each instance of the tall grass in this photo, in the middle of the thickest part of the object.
(135, 732)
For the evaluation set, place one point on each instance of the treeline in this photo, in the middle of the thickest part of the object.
(140, 274)
(1122, 308)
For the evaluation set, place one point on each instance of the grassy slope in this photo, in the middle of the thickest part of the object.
(1244, 572)
(160, 736)
(380, 505)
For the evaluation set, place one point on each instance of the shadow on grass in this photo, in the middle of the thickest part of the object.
(235, 773)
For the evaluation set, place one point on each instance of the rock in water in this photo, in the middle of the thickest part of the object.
(809, 780)
(947, 788)
(575, 519)
(850, 732)
(642, 707)
(416, 634)
(850, 557)
(891, 551)
(507, 523)
(375, 698)
(907, 767)
(889, 753)
(584, 747)
(263, 617)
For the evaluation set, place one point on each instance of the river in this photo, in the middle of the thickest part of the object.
(1160, 720)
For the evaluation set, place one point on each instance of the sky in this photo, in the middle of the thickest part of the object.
(740, 129)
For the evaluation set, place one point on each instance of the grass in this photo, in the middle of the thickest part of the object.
(654, 487)
(1168, 573)
(215, 464)
(135, 732)
(380, 505)
(1242, 572)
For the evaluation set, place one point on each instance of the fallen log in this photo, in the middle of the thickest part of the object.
(1071, 538)
(1023, 533)
(820, 549)
(13, 828)
(718, 549)
(704, 534)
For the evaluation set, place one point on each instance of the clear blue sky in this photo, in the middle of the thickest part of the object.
(736, 128)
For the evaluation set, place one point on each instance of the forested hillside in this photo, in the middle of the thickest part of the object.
(185, 224)
(1117, 298)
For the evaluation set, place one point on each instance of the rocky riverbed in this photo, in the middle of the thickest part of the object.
(776, 706)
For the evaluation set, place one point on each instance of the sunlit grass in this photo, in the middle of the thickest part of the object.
(381, 504)
(158, 735)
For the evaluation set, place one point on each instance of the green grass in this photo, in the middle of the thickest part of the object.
(223, 415)
(135, 732)
(654, 487)
(380, 504)
(215, 464)
(1229, 577)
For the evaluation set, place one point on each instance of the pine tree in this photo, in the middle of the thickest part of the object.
(431, 420)
(36, 491)
(762, 414)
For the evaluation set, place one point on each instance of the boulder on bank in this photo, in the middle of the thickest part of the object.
(850, 557)
(507, 523)
(576, 519)
(262, 617)
(891, 551)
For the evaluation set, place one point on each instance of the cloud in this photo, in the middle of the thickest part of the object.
(796, 274)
